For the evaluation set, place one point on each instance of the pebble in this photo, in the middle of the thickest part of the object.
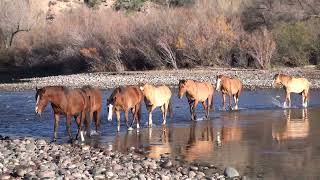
(42, 160)
(230, 172)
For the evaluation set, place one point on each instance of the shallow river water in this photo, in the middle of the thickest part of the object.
(260, 140)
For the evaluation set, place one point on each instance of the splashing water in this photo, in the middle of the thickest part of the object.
(276, 102)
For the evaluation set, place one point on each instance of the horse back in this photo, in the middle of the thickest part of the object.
(133, 95)
(77, 101)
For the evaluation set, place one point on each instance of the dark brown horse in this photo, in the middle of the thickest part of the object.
(64, 101)
(125, 99)
(95, 107)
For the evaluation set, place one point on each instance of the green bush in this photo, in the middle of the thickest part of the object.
(129, 5)
(295, 42)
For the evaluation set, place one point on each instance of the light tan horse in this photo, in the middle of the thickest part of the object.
(197, 92)
(155, 97)
(293, 85)
(231, 87)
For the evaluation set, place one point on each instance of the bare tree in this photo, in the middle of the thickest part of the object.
(15, 17)
(168, 55)
(261, 46)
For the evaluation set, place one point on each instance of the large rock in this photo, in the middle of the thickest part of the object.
(46, 174)
(231, 172)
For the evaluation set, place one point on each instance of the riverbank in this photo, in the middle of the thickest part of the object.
(251, 78)
(29, 158)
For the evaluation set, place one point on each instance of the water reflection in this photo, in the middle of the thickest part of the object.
(200, 141)
(295, 126)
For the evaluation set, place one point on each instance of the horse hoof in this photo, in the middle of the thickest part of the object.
(130, 129)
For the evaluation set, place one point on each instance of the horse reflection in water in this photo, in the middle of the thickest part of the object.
(164, 148)
(294, 128)
(201, 141)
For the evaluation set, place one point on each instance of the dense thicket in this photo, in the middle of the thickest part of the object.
(170, 34)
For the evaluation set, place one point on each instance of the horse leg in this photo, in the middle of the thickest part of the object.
(230, 101)
(83, 119)
(305, 98)
(88, 121)
(68, 126)
(288, 99)
(164, 109)
(205, 107)
(126, 117)
(56, 126)
(118, 120)
(137, 114)
(97, 117)
(150, 109)
(194, 109)
(191, 103)
(224, 101)
(235, 102)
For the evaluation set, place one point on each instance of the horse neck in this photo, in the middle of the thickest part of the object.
(149, 92)
(192, 90)
(56, 99)
(284, 80)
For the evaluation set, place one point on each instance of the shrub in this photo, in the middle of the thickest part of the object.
(294, 42)
(130, 5)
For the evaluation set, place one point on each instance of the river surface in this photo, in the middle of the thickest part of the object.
(262, 139)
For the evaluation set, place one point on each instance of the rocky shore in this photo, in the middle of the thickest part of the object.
(251, 78)
(38, 159)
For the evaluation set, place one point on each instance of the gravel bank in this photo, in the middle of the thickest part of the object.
(37, 159)
(251, 78)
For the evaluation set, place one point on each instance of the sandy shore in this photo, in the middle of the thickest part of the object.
(251, 78)
(29, 158)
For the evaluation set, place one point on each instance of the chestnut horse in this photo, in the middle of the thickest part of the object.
(231, 87)
(95, 106)
(125, 99)
(197, 92)
(155, 97)
(64, 101)
(293, 85)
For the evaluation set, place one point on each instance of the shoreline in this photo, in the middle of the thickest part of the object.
(28, 158)
(251, 78)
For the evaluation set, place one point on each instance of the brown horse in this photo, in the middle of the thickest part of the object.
(231, 87)
(95, 106)
(64, 101)
(197, 92)
(295, 85)
(155, 97)
(125, 99)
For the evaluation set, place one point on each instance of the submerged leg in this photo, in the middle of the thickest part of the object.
(191, 104)
(56, 127)
(288, 99)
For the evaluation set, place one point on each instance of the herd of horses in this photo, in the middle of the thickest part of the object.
(85, 104)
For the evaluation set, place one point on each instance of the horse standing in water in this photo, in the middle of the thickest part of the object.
(95, 107)
(231, 87)
(64, 101)
(197, 92)
(125, 99)
(155, 97)
(293, 85)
